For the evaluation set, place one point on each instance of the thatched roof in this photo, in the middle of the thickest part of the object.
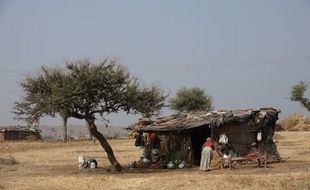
(191, 120)
(18, 128)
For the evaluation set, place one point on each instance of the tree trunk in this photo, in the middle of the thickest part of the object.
(306, 103)
(104, 143)
(91, 136)
(65, 132)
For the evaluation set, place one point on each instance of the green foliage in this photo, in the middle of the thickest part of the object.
(107, 88)
(297, 94)
(298, 91)
(84, 90)
(145, 100)
(193, 99)
(37, 101)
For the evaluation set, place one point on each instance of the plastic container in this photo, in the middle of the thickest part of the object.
(92, 165)
(170, 165)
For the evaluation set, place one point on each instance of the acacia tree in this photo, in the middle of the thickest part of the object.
(191, 99)
(92, 91)
(42, 98)
(297, 94)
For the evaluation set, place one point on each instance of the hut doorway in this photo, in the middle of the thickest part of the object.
(198, 137)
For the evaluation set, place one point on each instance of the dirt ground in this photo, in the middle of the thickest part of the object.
(54, 165)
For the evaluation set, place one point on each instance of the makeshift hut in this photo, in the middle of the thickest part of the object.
(182, 135)
(19, 133)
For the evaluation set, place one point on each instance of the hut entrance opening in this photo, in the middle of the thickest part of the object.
(198, 137)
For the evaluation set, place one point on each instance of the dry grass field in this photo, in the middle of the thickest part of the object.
(54, 165)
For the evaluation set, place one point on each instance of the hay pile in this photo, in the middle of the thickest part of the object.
(295, 122)
(10, 160)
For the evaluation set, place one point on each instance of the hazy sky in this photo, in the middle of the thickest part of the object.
(246, 54)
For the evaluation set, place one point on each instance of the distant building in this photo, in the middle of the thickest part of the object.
(17, 133)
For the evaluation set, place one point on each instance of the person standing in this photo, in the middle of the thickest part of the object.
(207, 154)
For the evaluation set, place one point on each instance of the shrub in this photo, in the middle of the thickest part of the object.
(295, 122)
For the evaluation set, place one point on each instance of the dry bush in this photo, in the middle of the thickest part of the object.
(295, 122)
(8, 161)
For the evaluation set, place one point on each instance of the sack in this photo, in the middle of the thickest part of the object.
(259, 136)
(223, 139)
